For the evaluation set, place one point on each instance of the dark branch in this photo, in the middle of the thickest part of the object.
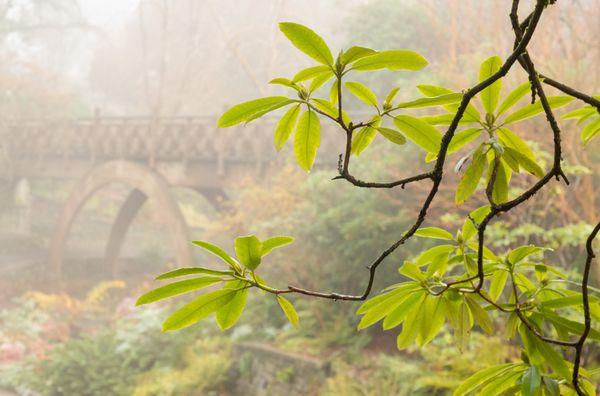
(437, 173)
(586, 308)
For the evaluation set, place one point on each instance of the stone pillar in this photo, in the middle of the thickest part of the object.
(23, 201)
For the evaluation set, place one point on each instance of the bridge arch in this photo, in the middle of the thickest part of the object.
(146, 183)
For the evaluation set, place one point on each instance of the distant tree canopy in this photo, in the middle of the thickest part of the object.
(461, 281)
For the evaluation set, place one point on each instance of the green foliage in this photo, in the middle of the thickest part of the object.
(227, 303)
(308, 42)
(392, 60)
(419, 132)
(470, 179)
(588, 116)
(177, 288)
(436, 294)
(73, 368)
(119, 359)
(490, 95)
(307, 139)
(286, 126)
(288, 310)
(306, 126)
(206, 365)
(363, 93)
(250, 110)
(460, 284)
(435, 369)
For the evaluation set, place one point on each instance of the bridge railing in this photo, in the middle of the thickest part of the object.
(149, 139)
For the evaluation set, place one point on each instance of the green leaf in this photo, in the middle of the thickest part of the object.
(319, 81)
(445, 119)
(390, 96)
(433, 316)
(247, 110)
(392, 135)
(275, 242)
(373, 301)
(228, 314)
(588, 387)
(532, 110)
(524, 284)
(518, 254)
(487, 253)
(248, 250)
(326, 107)
(363, 139)
(312, 72)
(551, 385)
(433, 90)
(500, 188)
(307, 41)
(307, 139)
(561, 302)
(419, 132)
(217, 251)
(463, 326)
(514, 97)
(490, 95)
(285, 126)
(580, 113)
(365, 136)
(288, 309)
(462, 138)
(435, 233)
(478, 215)
(502, 383)
(400, 288)
(411, 271)
(531, 381)
(192, 271)
(411, 325)
(509, 139)
(198, 309)
(507, 383)
(362, 92)
(177, 288)
(471, 113)
(431, 101)
(392, 60)
(333, 94)
(400, 311)
(382, 309)
(285, 82)
(590, 131)
(438, 265)
(523, 161)
(569, 325)
(470, 179)
(482, 377)
(509, 159)
(355, 53)
(552, 357)
(431, 253)
(497, 285)
(481, 316)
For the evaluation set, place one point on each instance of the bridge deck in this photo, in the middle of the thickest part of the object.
(187, 150)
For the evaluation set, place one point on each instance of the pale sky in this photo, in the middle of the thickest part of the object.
(108, 14)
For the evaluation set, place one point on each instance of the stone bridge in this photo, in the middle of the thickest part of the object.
(149, 155)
